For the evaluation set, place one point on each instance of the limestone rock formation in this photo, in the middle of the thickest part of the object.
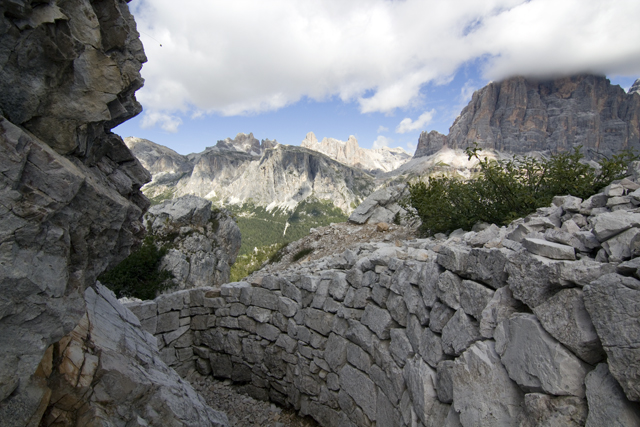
(203, 244)
(635, 88)
(520, 115)
(375, 161)
(381, 206)
(279, 176)
(69, 188)
(108, 371)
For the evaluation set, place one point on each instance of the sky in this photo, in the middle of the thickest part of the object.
(381, 70)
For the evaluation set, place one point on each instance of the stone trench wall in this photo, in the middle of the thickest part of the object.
(531, 324)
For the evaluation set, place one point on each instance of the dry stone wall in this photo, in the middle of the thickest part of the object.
(530, 324)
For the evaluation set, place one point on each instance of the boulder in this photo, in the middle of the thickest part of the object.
(381, 206)
(565, 317)
(421, 380)
(608, 405)
(483, 393)
(108, 371)
(535, 360)
(501, 307)
(613, 304)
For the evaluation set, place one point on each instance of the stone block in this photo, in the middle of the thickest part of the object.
(397, 308)
(501, 307)
(612, 303)
(546, 410)
(474, 297)
(267, 331)
(565, 317)
(318, 320)
(338, 286)
(360, 388)
(168, 321)
(400, 347)
(378, 320)
(608, 405)
(548, 249)
(535, 360)
(264, 298)
(459, 333)
(440, 315)
(260, 315)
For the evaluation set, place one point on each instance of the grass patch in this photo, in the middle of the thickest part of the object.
(248, 263)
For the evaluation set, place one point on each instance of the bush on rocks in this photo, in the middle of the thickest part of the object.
(508, 189)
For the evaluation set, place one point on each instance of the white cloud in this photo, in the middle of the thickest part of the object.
(382, 141)
(382, 129)
(247, 57)
(411, 147)
(166, 122)
(408, 125)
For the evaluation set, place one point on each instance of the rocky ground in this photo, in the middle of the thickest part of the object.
(243, 410)
(335, 239)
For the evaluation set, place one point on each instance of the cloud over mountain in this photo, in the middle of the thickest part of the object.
(247, 57)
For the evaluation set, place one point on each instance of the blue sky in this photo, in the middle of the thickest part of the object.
(380, 70)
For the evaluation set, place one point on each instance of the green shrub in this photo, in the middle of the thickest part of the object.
(301, 254)
(138, 275)
(508, 189)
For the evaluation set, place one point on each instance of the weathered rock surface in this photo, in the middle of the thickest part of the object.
(381, 206)
(69, 188)
(519, 115)
(550, 411)
(348, 152)
(275, 176)
(553, 369)
(613, 302)
(203, 243)
(108, 371)
(483, 393)
(608, 405)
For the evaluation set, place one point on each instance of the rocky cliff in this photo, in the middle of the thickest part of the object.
(520, 115)
(281, 176)
(348, 152)
(203, 244)
(70, 199)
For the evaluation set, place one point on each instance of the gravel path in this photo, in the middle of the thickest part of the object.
(243, 410)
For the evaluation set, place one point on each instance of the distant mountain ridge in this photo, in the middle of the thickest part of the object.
(375, 161)
(243, 170)
(521, 115)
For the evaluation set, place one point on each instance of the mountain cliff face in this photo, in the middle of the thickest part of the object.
(374, 161)
(520, 115)
(281, 176)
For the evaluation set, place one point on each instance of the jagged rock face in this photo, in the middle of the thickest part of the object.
(70, 189)
(246, 143)
(350, 153)
(635, 88)
(108, 371)
(521, 115)
(203, 244)
(281, 177)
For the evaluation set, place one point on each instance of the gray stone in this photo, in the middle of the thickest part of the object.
(444, 381)
(535, 360)
(549, 249)
(428, 282)
(267, 331)
(360, 335)
(501, 307)
(483, 393)
(578, 273)
(335, 352)
(287, 307)
(174, 335)
(440, 315)
(400, 347)
(448, 289)
(261, 315)
(420, 380)
(386, 413)
(484, 236)
(338, 286)
(397, 308)
(318, 320)
(619, 248)
(379, 294)
(378, 320)
(608, 405)
(168, 322)
(529, 278)
(358, 357)
(453, 418)
(565, 317)
(361, 389)
(453, 258)
(431, 348)
(612, 303)
(488, 266)
(609, 224)
(459, 333)
(474, 297)
(144, 309)
(264, 298)
(545, 410)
